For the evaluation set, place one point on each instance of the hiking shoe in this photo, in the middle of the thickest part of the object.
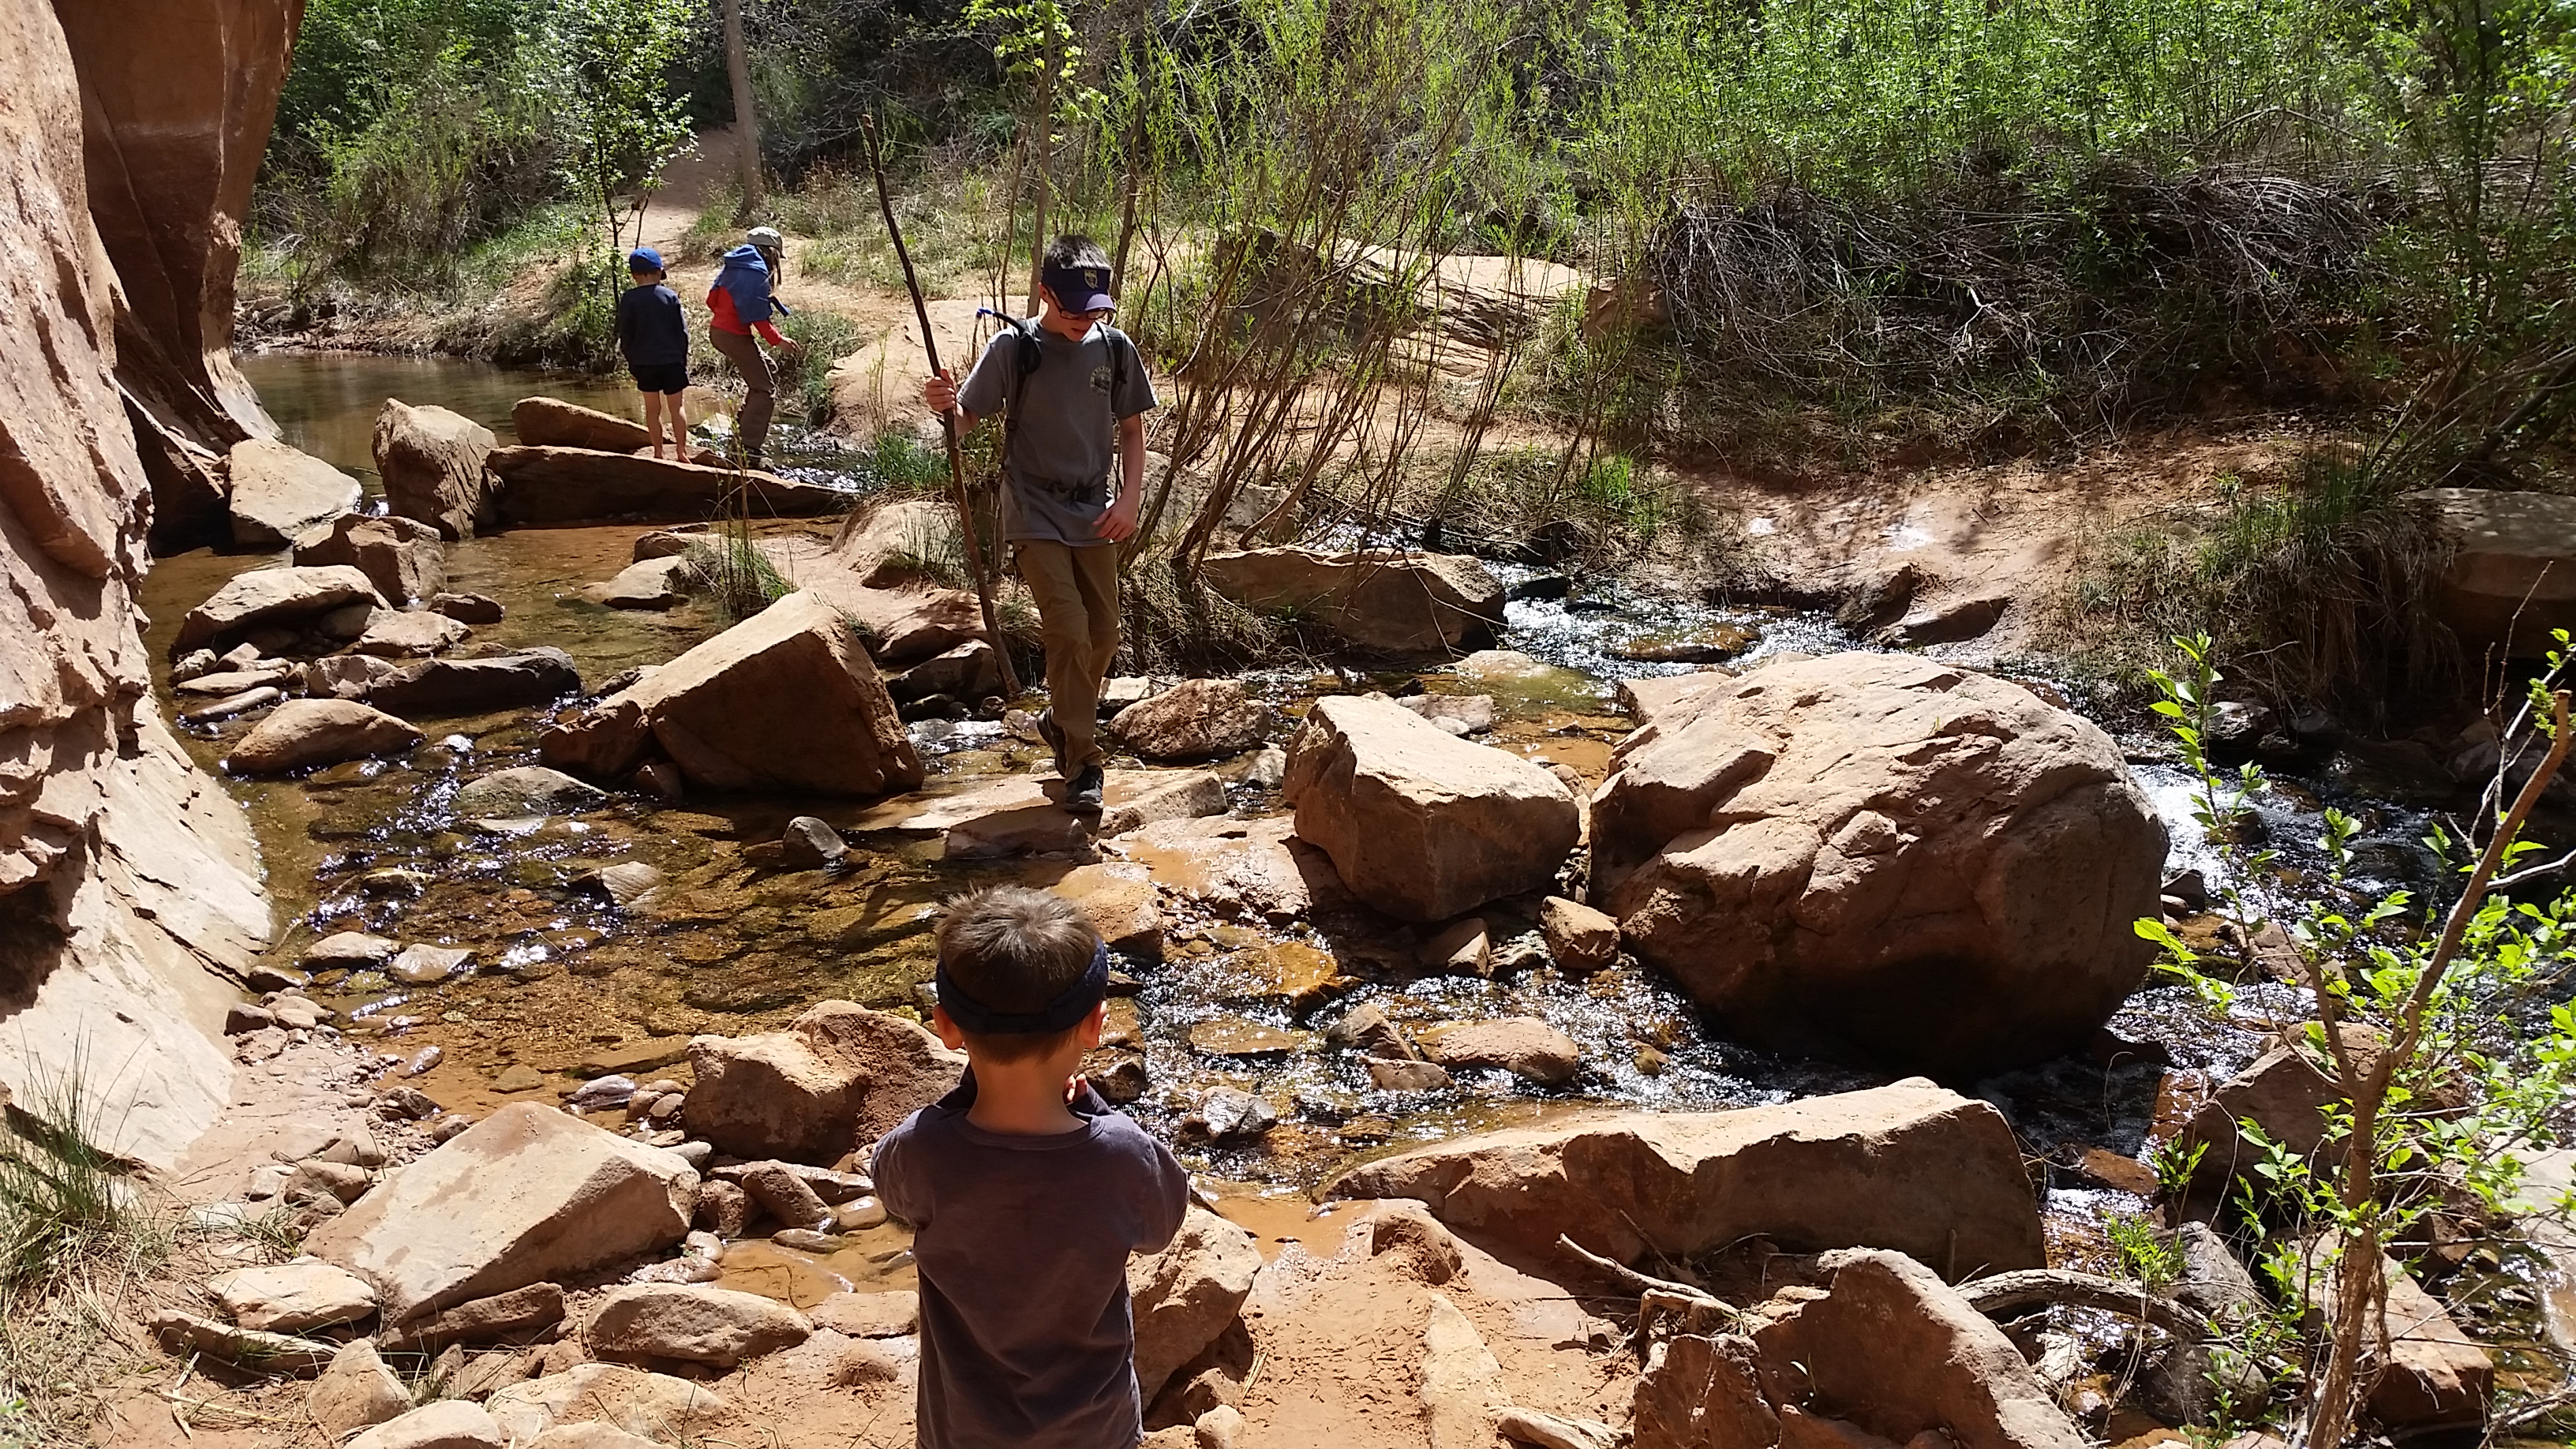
(1082, 793)
(1053, 734)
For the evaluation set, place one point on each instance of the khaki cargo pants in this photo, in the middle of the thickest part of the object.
(1077, 594)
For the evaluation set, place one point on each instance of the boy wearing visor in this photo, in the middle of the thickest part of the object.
(1026, 1191)
(1073, 394)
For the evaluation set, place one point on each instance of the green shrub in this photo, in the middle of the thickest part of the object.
(821, 338)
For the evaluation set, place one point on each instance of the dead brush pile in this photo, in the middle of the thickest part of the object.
(2062, 301)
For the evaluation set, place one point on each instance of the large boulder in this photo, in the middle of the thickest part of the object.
(260, 598)
(1419, 823)
(432, 463)
(408, 634)
(1886, 1354)
(1196, 719)
(527, 1195)
(1397, 604)
(1187, 1294)
(1886, 857)
(292, 1297)
(1911, 1166)
(279, 495)
(433, 688)
(527, 790)
(576, 485)
(546, 422)
(306, 732)
(839, 1076)
(2512, 575)
(692, 1321)
(784, 700)
(401, 557)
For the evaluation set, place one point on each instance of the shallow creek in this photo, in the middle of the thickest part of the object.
(561, 974)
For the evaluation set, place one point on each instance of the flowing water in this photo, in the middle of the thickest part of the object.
(561, 972)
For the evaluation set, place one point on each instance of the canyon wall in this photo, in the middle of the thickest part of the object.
(128, 879)
(177, 98)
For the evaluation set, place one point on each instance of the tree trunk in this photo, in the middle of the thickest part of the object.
(1043, 128)
(746, 125)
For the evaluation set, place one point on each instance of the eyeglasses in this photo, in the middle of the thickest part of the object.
(1096, 314)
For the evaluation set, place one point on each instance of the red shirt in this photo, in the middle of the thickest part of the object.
(720, 302)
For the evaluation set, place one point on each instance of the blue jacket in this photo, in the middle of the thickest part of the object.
(745, 278)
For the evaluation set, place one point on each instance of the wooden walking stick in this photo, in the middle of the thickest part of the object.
(947, 424)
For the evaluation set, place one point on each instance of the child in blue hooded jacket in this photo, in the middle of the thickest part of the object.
(741, 303)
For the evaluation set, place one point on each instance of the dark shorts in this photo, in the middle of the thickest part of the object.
(662, 377)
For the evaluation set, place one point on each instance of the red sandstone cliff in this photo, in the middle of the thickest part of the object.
(125, 873)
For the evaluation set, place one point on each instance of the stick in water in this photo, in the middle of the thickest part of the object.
(947, 424)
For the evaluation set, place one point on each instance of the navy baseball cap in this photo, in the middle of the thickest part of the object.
(1079, 289)
(644, 259)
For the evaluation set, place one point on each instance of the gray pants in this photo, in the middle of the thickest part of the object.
(760, 393)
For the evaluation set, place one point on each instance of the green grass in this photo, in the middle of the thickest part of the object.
(2317, 585)
(897, 461)
(77, 1234)
(826, 338)
(737, 576)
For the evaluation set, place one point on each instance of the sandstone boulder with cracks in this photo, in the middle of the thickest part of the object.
(656, 1406)
(1525, 1046)
(446, 1424)
(292, 1297)
(303, 732)
(1185, 1295)
(541, 486)
(279, 495)
(259, 598)
(1884, 857)
(526, 1195)
(1911, 1166)
(1389, 602)
(355, 1391)
(694, 1322)
(431, 688)
(840, 1075)
(432, 463)
(401, 557)
(784, 700)
(1887, 1354)
(1420, 824)
(546, 422)
(1196, 719)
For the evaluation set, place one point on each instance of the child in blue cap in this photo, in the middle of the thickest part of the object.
(654, 336)
(1026, 1192)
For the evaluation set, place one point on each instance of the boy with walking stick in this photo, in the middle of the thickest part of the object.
(1073, 393)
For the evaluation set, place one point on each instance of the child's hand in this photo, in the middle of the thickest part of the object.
(940, 391)
(1075, 1086)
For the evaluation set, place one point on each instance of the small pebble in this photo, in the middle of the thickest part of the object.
(806, 1240)
(859, 1215)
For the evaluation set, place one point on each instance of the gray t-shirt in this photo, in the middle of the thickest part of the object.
(1022, 1244)
(1064, 436)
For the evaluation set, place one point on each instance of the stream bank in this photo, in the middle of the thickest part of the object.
(563, 981)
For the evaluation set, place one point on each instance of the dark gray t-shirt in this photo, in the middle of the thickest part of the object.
(1065, 435)
(1022, 1244)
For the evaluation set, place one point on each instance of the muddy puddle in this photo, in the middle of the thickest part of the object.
(568, 967)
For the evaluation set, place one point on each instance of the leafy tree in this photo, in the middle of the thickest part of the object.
(619, 116)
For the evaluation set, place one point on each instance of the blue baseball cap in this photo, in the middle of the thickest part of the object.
(644, 259)
(1079, 289)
